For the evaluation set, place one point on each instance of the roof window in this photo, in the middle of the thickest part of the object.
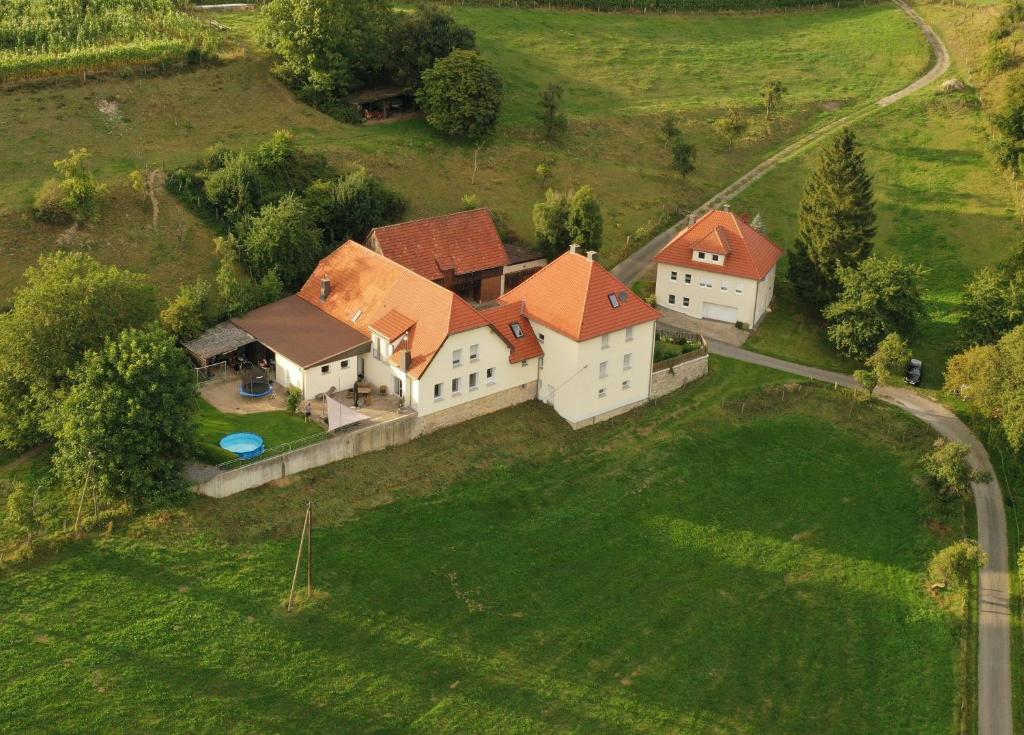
(517, 329)
(623, 295)
(614, 299)
(355, 317)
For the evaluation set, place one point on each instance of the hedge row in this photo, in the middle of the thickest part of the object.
(664, 6)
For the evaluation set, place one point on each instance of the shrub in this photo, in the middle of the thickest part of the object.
(461, 95)
(948, 469)
(284, 239)
(866, 379)
(954, 565)
(552, 119)
(999, 58)
(48, 205)
(185, 316)
(347, 208)
(294, 399)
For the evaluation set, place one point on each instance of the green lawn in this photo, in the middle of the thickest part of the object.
(730, 560)
(276, 427)
(941, 200)
(621, 73)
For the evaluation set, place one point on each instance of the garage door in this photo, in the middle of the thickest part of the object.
(721, 313)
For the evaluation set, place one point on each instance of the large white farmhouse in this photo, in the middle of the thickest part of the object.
(571, 334)
(718, 268)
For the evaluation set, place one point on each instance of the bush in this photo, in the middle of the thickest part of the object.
(48, 205)
(954, 565)
(294, 399)
(461, 95)
(999, 58)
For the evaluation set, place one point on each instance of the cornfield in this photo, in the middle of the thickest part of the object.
(44, 37)
(662, 6)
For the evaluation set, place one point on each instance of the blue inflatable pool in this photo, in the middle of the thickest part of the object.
(245, 445)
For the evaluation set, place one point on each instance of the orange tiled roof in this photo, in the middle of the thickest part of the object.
(465, 242)
(382, 293)
(501, 318)
(748, 253)
(393, 324)
(572, 296)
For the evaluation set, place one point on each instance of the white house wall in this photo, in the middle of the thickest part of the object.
(493, 352)
(341, 375)
(570, 379)
(750, 304)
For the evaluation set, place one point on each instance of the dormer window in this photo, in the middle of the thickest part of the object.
(700, 254)
(517, 329)
(714, 258)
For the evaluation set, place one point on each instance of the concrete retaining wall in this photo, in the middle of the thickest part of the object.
(665, 381)
(350, 444)
(479, 407)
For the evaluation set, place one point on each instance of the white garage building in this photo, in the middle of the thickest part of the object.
(718, 268)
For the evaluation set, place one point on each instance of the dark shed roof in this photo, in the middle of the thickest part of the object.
(218, 340)
(302, 333)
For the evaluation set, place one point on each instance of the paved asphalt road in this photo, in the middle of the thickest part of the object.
(995, 710)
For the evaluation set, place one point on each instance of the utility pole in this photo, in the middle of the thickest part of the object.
(305, 539)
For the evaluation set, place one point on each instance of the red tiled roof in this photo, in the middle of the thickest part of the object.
(393, 324)
(571, 295)
(383, 292)
(748, 253)
(465, 242)
(501, 318)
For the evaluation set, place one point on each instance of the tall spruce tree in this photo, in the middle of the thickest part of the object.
(836, 221)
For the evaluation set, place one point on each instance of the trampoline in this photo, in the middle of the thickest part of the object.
(256, 387)
(245, 445)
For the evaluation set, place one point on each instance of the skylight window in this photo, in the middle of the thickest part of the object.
(614, 299)
(623, 295)
(517, 329)
(355, 317)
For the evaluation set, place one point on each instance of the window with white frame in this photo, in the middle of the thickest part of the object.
(602, 370)
(602, 392)
(325, 368)
(673, 276)
(490, 376)
(701, 255)
(671, 298)
(605, 341)
(473, 381)
(625, 385)
(686, 301)
(344, 364)
(456, 358)
(474, 353)
(375, 351)
(687, 278)
(438, 391)
(739, 288)
(540, 337)
(725, 285)
(714, 258)
(629, 334)
(627, 361)
(456, 386)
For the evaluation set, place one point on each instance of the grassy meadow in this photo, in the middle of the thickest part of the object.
(941, 201)
(733, 559)
(621, 73)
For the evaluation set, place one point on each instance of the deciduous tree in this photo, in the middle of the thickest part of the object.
(283, 238)
(461, 95)
(890, 358)
(878, 297)
(551, 224)
(552, 118)
(68, 304)
(585, 223)
(185, 316)
(347, 208)
(420, 37)
(128, 421)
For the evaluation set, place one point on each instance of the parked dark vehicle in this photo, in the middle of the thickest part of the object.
(914, 372)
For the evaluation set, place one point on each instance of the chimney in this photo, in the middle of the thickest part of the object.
(574, 247)
(591, 254)
(325, 288)
(693, 219)
(727, 206)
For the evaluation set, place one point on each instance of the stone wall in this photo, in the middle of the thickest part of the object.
(371, 438)
(665, 381)
(479, 407)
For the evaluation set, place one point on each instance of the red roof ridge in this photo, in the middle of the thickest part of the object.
(460, 213)
(749, 253)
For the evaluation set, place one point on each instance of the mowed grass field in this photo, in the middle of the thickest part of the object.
(621, 74)
(942, 201)
(729, 560)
